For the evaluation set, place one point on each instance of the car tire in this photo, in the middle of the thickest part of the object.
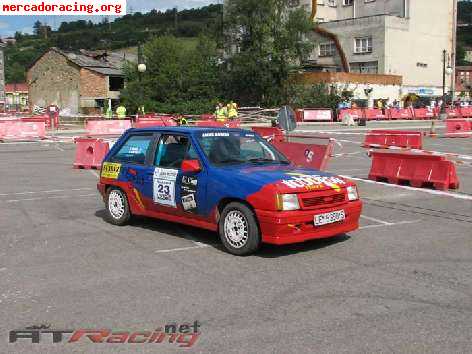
(238, 229)
(117, 207)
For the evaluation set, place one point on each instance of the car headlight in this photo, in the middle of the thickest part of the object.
(352, 193)
(287, 202)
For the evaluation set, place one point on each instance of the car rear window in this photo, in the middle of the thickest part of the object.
(134, 150)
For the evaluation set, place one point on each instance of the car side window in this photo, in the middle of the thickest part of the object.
(171, 151)
(134, 150)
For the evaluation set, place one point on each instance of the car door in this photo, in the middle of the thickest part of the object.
(135, 158)
(174, 191)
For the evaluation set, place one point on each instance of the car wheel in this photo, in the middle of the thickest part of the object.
(239, 230)
(117, 207)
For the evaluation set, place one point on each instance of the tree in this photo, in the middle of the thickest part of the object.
(178, 79)
(266, 40)
(37, 28)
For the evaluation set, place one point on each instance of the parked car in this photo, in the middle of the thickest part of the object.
(230, 181)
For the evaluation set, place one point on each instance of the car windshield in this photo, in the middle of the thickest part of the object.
(229, 148)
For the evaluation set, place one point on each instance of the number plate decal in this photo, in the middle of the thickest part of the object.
(330, 218)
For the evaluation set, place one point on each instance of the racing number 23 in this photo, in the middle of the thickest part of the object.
(163, 189)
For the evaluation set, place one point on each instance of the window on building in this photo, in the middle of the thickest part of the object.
(332, 3)
(370, 67)
(327, 49)
(363, 45)
(116, 83)
(348, 2)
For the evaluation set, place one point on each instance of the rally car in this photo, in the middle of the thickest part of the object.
(230, 181)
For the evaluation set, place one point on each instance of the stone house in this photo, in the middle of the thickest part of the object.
(76, 82)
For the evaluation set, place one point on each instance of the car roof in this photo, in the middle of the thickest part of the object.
(185, 129)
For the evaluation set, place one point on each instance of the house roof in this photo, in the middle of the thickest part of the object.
(87, 60)
(16, 87)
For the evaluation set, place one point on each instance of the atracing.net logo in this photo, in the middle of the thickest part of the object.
(183, 335)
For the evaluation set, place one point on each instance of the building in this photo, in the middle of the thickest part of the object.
(387, 37)
(16, 97)
(76, 82)
(2, 77)
(464, 82)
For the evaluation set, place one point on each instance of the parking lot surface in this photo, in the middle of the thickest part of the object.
(401, 283)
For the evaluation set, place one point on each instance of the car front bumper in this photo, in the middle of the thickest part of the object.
(286, 227)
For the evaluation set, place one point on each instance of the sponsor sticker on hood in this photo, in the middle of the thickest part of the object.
(313, 182)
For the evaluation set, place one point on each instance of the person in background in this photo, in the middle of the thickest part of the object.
(221, 112)
(121, 111)
(232, 110)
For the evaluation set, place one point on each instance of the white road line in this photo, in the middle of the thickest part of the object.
(59, 148)
(53, 197)
(93, 172)
(182, 249)
(423, 190)
(49, 191)
(389, 224)
(375, 220)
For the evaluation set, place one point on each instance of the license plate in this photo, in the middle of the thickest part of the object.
(330, 218)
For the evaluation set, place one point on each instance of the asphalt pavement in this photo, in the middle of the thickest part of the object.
(400, 284)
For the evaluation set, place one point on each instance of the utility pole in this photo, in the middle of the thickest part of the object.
(454, 50)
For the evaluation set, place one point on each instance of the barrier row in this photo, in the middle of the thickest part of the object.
(387, 114)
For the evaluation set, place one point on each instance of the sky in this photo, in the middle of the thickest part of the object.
(10, 24)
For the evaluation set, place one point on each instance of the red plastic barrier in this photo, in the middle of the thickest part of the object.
(90, 152)
(315, 115)
(207, 116)
(270, 134)
(215, 124)
(385, 138)
(402, 113)
(466, 112)
(44, 118)
(418, 170)
(356, 114)
(107, 127)
(457, 126)
(307, 155)
(423, 113)
(18, 130)
(158, 121)
(375, 114)
(453, 112)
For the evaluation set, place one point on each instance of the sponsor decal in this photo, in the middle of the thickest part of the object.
(111, 170)
(184, 335)
(313, 182)
(164, 186)
(205, 135)
(188, 193)
(309, 155)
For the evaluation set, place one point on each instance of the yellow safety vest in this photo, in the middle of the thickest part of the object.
(232, 113)
(121, 112)
(221, 114)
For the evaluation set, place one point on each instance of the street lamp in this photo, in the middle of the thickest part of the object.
(141, 70)
(447, 70)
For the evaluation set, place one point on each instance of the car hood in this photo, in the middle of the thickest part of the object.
(286, 178)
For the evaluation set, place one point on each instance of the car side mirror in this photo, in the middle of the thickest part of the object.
(191, 166)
